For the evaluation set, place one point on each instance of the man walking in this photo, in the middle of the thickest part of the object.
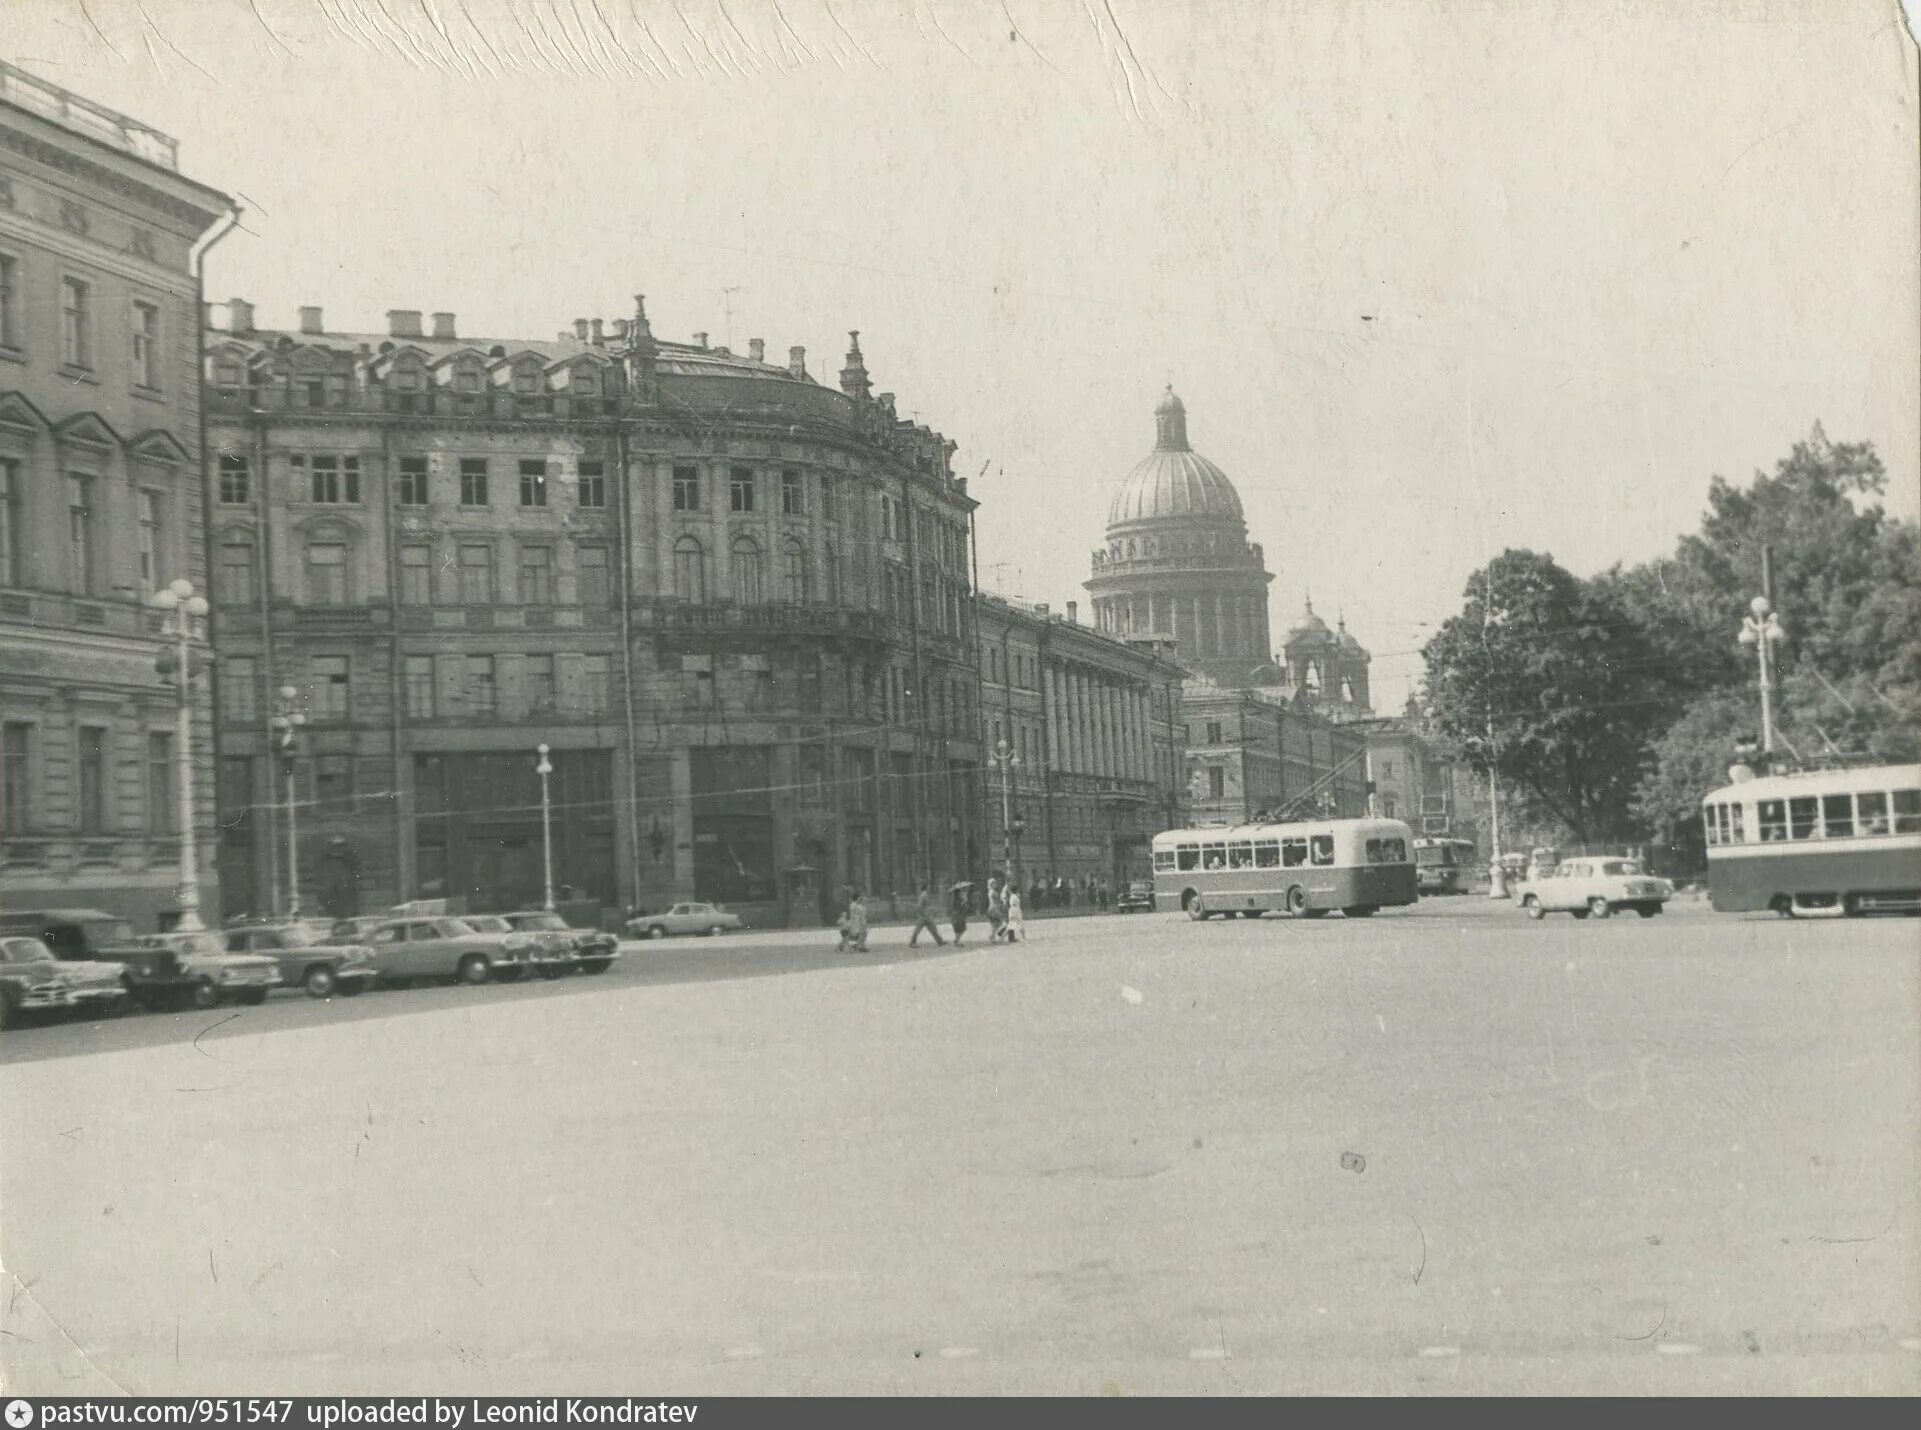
(926, 912)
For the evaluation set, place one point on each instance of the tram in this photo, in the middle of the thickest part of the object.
(1305, 869)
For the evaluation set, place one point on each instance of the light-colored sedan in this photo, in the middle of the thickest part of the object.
(1596, 886)
(691, 917)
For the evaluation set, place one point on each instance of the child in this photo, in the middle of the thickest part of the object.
(853, 927)
(1016, 925)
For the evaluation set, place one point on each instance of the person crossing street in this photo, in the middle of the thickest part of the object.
(926, 915)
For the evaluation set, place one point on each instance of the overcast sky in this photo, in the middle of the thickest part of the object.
(1432, 278)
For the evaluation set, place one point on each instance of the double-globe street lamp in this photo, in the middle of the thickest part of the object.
(1762, 629)
(286, 724)
(185, 610)
(1008, 761)
(544, 769)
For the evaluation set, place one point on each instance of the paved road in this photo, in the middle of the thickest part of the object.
(1447, 1150)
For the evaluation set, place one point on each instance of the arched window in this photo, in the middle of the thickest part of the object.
(793, 572)
(690, 569)
(744, 557)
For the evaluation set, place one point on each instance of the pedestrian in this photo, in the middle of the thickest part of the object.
(958, 907)
(1101, 895)
(996, 909)
(926, 911)
(853, 927)
(1016, 925)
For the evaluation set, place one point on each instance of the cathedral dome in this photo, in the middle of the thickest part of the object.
(1308, 625)
(1173, 480)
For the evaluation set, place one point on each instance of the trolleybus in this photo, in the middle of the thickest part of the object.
(1354, 865)
(1443, 866)
(1844, 841)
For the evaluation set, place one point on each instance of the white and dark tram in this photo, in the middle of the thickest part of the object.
(1839, 842)
(1306, 869)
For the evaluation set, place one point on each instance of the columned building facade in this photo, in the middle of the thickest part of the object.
(101, 504)
(731, 600)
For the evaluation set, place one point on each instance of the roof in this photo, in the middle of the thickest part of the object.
(1802, 783)
(70, 916)
(1173, 481)
(677, 359)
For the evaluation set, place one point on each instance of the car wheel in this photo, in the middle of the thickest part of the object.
(252, 997)
(1297, 900)
(203, 995)
(319, 981)
(1578, 913)
(1851, 906)
(474, 969)
(657, 930)
(1783, 905)
(1600, 907)
(1532, 907)
(1648, 911)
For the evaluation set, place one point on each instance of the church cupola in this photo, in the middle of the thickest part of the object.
(853, 376)
(1170, 424)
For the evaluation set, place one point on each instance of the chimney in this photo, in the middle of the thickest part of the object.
(600, 337)
(1073, 613)
(700, 341)
(310, 321)
(756, 350)
(444, 325)
(239, 316)
(797, 362)
(403, 322)
(621, 328)
(580, 329)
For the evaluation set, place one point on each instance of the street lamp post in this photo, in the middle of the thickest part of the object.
(1762, 630)
(184, 611)
(1008, 761)
(545, 768)
(286, 725)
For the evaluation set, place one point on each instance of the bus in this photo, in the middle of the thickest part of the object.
(1443, 866)
(1840, 842)
(1354, 865)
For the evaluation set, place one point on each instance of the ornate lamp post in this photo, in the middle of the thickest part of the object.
(286, 724)
(545, 768)
(184, 612)
(1762, 630)
(1008, 761)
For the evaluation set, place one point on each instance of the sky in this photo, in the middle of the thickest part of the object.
(1433, 279)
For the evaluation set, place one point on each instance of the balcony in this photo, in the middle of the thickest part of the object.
(668, 618)
(334, 618)
(116, 615)
(83, 116)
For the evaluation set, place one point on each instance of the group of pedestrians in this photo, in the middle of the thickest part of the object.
(1006, 921)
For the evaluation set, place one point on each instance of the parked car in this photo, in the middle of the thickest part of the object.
(1596, 886)
(548, 953)
(689, 917)
(306, 959)
(592, 950)
(33, 980)
(1136, 898)
(443, 947)
(195, 970)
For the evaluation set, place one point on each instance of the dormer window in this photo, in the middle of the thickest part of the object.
(526, 381)
(467, 378)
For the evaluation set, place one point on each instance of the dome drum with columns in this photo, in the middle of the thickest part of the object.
(1178, 563)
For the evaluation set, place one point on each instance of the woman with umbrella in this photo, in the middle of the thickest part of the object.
(957, 906)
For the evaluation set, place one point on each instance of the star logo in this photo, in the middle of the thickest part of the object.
(19, 1414)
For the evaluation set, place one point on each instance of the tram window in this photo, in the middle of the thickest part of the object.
(1802, 817)
(1774, 820)
(1734, 833)
(1214, 856)
(1163, 861)
(1873, 811)
(1188, 856)
(1293, 853)
(1240, 856)
(1387, 851)
(1323, 848)
(1907, 811)
(1711, 821)
(1267, 854)
(1837, 816)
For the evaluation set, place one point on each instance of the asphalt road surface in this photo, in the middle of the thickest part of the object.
(1444, 1150)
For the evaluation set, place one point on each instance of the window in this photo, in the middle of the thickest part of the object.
(1188, 856)
(237, 689)
(234, 583)
(686, 489)
(92, 807)
(480, 686)
(9, 315)
(1216, 782)
(740, 489)
(537, 675)
(1293, 853)
(146, 345)
(590, 574)
(1873, 809)
(1803, 822)
(473, 481)
(76, 323)
(533, 483)
(592, 490)
(416, 575)
(16, 792)
(334, 480)
(412, 489)
(585, 389)
(1773, 820)
(744, 557)
(160, 815)
(536, 575)
(1213, 732)
(419, 687)
(1267, 854)
(82, 562)
(1837, 816)
(326, 573)
(333, 783)
(793, 495)
(330, 689)
(1387, 769)
(690, 569)
(150, 554)
(476, 575)
(826, 497)
(13, 571)
(1388, 806)
(793, 572)
(1321, 847)
(1907, 811)
(829, 577)
(236, 480)
(596, 684)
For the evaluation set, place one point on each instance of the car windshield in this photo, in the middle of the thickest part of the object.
(542, 921)
(487, 923)
(297, 936)
(452, 928)
(25, 950)
(1621, 866)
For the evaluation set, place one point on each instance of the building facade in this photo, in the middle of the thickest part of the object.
(1177, 562)
(1416, 781)
(732, 601)
(1093, 725)
(101, 501)
(1252, 756)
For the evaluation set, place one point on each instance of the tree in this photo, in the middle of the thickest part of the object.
(1553, 683)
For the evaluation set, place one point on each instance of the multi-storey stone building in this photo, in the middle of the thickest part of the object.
(1093, 725)
(101, 498)
(1251, 754)
(734, 602)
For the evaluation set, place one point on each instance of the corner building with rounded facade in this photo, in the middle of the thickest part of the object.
(733, 601)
